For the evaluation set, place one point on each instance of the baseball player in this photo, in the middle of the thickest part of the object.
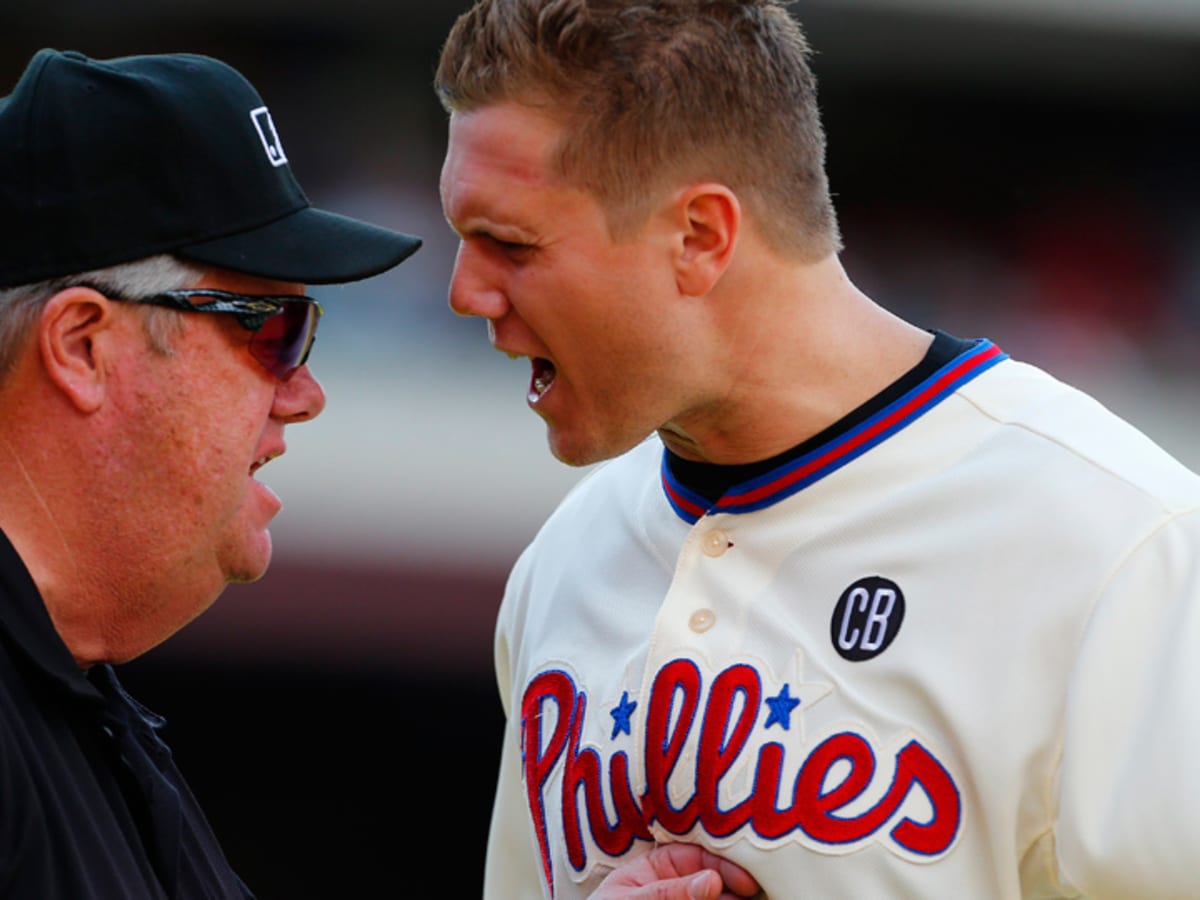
(869, 610)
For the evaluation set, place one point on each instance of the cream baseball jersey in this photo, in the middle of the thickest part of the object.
(949, 653)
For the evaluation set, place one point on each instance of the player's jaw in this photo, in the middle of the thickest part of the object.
(592, 410)
(585, 424)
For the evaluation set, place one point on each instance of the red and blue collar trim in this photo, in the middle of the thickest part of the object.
(797, 474)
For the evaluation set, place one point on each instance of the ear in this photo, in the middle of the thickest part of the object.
(74, 329)
(709, 218)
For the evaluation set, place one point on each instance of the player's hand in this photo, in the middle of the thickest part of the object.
(677, 872)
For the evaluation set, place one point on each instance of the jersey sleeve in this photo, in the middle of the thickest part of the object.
(1129, 783)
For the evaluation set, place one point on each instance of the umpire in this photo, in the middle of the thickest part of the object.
(154, 337)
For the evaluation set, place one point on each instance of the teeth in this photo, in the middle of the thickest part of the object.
(513, 355)
(262, 461)
(544, 374)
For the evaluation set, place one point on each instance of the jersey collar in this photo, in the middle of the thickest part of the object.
(798, 473)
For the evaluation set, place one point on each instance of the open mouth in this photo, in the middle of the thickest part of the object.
(543, 378)
(262, 461)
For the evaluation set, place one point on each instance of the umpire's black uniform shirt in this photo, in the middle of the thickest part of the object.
(91, 804)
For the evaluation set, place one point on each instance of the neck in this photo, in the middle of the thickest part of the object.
(808, 349)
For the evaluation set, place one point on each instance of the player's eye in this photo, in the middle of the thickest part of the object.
(510, 248)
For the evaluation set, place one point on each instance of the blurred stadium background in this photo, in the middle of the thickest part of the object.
(1024, 170)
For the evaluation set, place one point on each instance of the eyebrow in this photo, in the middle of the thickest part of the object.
(505, 233)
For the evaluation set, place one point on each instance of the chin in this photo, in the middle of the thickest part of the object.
(585, 453)
(252, 562)
(568, 453)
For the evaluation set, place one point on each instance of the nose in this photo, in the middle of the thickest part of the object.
(474, 289)
(300, 398)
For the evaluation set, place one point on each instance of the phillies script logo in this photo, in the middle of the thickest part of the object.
(835, 803)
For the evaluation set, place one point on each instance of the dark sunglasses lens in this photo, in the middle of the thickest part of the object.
(283, 342)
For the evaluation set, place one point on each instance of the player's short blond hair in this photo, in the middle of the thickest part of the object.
(654, 92)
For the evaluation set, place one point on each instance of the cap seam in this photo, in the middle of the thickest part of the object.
(244, 227)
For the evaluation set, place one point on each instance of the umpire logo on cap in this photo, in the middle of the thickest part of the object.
(269, 136)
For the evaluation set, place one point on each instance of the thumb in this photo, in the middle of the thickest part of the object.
(705, 886)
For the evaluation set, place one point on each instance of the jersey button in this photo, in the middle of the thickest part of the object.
(702, 620)
(715, 543)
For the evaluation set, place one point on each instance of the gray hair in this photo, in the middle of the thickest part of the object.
(20, 306)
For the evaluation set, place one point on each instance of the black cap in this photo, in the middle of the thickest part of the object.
(109, 161)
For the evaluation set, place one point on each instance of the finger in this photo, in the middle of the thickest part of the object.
(737, 879)
(705, 886)
(734, 877)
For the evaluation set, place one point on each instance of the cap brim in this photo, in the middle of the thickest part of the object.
(310, 246)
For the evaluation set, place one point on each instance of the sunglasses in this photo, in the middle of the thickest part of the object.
(284, 327)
